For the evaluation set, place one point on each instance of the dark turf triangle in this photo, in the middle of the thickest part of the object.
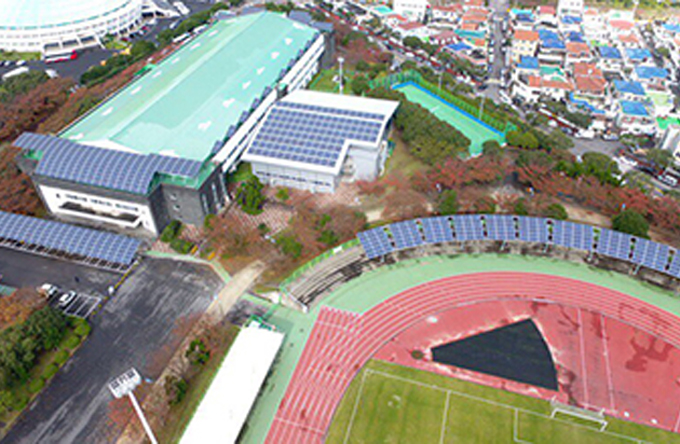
(517, 352)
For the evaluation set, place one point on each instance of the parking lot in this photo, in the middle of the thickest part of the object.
(132, 330)
(81, 305)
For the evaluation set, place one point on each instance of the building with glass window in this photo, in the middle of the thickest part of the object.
(160, 148)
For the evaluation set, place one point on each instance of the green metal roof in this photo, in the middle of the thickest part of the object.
(185, 104)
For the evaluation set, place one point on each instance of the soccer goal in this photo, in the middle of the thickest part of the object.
(596, 417)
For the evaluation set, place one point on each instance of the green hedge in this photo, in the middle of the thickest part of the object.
(36, 385)
(72, 342)
(61, 357)
(50, 371)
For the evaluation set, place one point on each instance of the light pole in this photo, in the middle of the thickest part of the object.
(341, 60)
(125, 385)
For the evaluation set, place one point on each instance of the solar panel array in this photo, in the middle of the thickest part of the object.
(571, 235)
(435, 230)
(376, 243)
(674, 269)
(614, 244)
(650, 254)
(500, 228)
(468, 227)
(328, 110)
(68, 238)
(118, 170)
(406, 234)
(533, 229)
(311, 136)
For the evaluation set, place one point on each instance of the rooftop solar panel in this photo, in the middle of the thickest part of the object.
(336, 111)
(437, 229)
(406, 234)
(533, 229)
(500, 227)
(571, 235)
(468, 227)
(68, 238)
(650, 254)
(376, 243)
(614, 244)
(292, 134)
(107, 168)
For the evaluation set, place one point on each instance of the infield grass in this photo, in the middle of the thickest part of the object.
(389, 403)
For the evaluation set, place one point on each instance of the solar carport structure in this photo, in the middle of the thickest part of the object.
(55, 239)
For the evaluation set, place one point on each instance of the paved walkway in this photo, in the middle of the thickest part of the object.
(372, 288)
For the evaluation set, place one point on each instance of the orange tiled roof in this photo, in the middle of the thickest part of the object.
(522, 34)
(577, 48)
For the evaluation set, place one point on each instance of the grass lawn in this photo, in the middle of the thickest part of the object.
(395, 404)
(180, 415)
(14, 56)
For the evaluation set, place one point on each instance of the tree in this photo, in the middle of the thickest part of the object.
(360, 85)
(492, 148)
(141, 49)
(290, 246)
(602, 167)
(557, 140)
(249, 195)
(413, 42)
(631, 222)
(556, 211)
(660, 157)
(448, 202)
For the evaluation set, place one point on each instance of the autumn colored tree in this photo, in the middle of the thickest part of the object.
(16, 308)
(404, 205)
(17, 194)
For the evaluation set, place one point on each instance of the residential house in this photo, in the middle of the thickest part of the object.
(444, 38)
(610, 59)
(411, 9)
(569, 23)
(577, 52)
(628, 90)
(671, 141)
(638, 56)
(447, 13)
(413, 29)
(634, 118)
(524, 43)
(650, 75)
(546, 15)
(593, 26)
(570, 7)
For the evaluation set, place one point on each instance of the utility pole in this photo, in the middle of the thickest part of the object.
(341, 60)
(124, 385)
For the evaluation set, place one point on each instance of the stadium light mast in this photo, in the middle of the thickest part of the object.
(125, 385)
(341, 60)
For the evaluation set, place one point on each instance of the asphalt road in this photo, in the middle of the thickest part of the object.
(133, 325)
(20, 269)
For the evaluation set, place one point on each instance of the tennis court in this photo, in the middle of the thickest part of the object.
(474, 129)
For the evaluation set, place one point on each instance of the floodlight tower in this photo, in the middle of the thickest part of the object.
(341, 60)
(125, 385)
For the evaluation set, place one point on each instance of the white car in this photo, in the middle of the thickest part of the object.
(48, 290)
(67, 298)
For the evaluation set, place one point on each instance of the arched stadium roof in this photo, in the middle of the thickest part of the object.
(44, 13)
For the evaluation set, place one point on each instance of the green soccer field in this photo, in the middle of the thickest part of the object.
(388, 403)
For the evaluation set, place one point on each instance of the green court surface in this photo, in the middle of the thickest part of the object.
(186, 103)
(666, 122)
(388, 403)
(369, 289)
(475, 130)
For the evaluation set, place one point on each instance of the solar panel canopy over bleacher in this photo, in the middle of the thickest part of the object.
(68, 239)
(614, 244)
(461, 228)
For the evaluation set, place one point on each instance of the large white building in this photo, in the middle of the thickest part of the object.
(160, 148)
(671, 141)
(60, 25)
(311, 140)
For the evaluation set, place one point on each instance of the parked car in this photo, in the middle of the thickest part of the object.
(48, 290)
(67, 298)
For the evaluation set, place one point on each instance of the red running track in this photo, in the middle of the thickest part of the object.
(342, 342)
